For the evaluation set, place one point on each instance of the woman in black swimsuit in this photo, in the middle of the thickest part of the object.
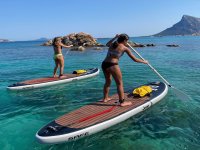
(110, 67)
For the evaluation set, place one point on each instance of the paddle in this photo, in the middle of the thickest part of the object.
(67, 52)
(179, 93)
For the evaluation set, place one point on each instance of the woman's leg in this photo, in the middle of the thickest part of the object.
(108, 79)
(61, 65)
(117, 75)
(56, 67)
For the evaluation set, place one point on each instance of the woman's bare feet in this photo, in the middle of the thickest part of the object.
(106, 100)
(125, 104)
(55, 76)
(62, 76)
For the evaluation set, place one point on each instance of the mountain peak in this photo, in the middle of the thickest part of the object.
(186, 16)
(190, 18)
(188, 25)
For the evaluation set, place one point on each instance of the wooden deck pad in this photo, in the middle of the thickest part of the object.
(49, 79)
(98, 112)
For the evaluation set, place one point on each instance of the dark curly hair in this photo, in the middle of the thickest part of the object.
(120, 39)
(55, 40)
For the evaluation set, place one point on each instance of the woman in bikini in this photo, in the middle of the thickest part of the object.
(58, 57)
(110, 67)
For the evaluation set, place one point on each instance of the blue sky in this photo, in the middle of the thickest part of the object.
(32, 19)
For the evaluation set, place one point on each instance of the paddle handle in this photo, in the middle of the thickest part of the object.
(150, 66)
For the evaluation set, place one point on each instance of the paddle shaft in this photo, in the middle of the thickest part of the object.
(150, 66)
(67, 52)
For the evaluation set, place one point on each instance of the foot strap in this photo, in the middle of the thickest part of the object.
(60, 75)
(121, 101)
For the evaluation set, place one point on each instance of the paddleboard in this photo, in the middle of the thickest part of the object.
(48, 81)
(98, 116)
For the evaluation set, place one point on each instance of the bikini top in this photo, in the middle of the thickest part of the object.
(56, 46)
(56, 50)
(114, 53)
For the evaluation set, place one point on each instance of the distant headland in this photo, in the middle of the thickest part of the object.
(42, 39)
(187, 26)
(4, 40)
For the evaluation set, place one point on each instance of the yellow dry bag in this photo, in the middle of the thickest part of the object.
(79, 71)
(142, 91)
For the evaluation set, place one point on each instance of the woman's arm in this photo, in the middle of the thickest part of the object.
(128, 51)
(66, 46)
(111, 41)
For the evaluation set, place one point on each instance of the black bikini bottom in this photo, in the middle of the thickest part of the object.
(105, 65)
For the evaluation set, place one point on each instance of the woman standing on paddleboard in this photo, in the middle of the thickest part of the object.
(110, 67)
(58, 57)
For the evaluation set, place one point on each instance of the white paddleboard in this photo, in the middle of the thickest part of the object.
(48, 81)
(98, 116)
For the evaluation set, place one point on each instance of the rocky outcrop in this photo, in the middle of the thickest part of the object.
(133, 44)
(79, 48)
(48, 43)
(80, 41)
(187, 26)
(172, 45)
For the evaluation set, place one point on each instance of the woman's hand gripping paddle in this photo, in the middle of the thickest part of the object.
(179, 93)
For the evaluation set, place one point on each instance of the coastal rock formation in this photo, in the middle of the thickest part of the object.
(133, 44)
(79, 48)
(187, 26)
(172, 45)
(80, 41)
(150, 45)
(48, 43)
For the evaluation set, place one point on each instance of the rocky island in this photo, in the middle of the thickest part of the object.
(187, 26)
(79, 40)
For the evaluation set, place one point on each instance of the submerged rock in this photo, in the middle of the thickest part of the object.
(79, 48)
(97, 48)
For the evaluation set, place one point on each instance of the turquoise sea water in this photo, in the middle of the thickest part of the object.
(170, 124)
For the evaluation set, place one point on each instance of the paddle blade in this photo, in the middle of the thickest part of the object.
(181, 95)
